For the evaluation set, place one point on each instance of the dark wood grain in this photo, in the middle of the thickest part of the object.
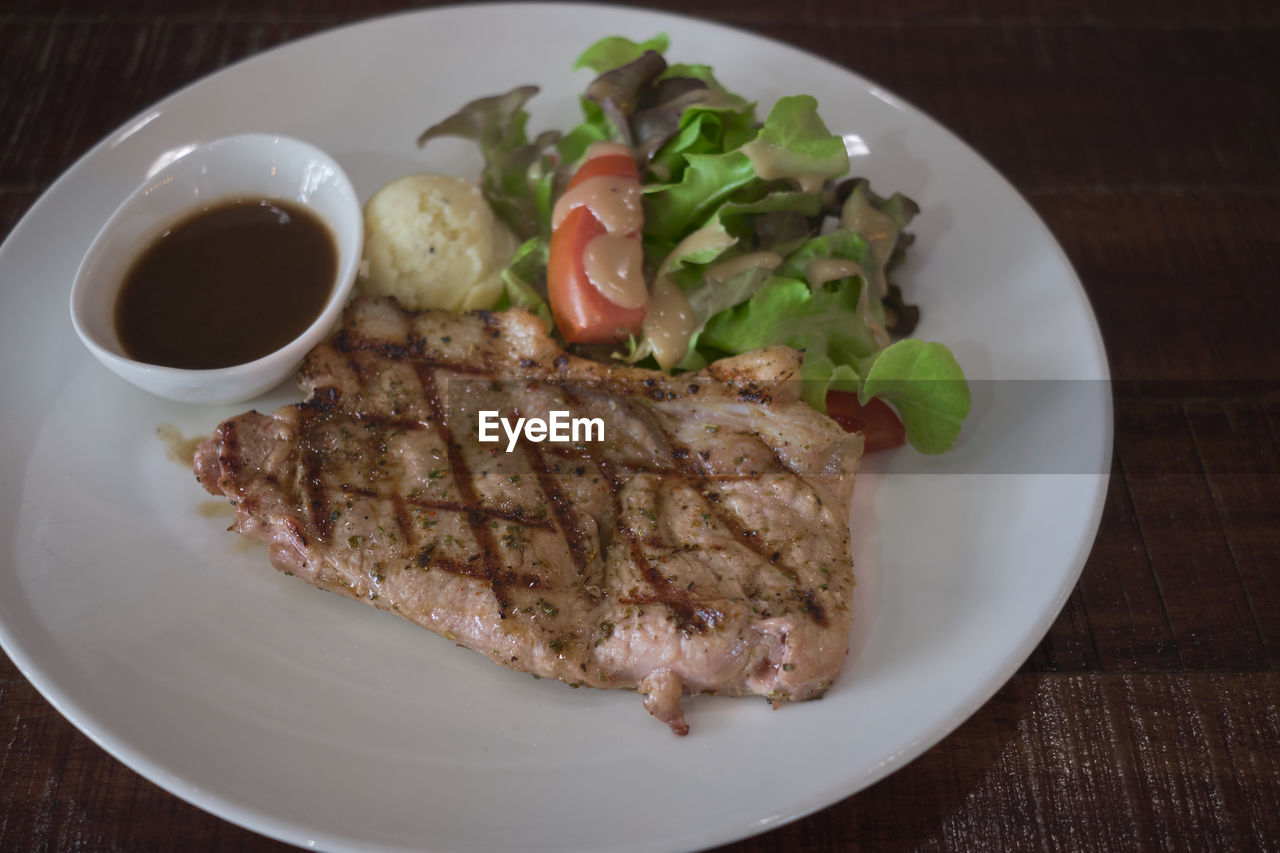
(1145, 135)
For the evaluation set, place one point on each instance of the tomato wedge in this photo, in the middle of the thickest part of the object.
(620, 165)
(879, 424)
(582, 313)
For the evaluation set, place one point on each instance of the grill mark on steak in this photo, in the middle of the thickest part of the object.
(465, 483)
(668, 549)
(667, 472)
(296, 530)
(644, 555)
(229, 459)
(690, 616)
(324, 401)
(413, 351)
(660, 436)
(693, 617)
(748, 537)
(567, 520)
(316, 410)
(486, 513)
(476, 569)
(813, 608)
(401, 508)
(694, 467)
(317, 494)
(779, 465)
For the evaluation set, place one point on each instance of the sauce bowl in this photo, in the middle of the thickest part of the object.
(246, 166)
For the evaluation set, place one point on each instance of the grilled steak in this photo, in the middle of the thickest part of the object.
(702, 546)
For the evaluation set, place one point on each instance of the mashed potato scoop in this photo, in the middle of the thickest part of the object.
(432, 241)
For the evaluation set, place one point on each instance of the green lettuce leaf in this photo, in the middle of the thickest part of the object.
(822, 323)
(795, 143)
(726, 235)
(615, 51)
(595, 127)
(720, 186)
(704, 129)
(921, 380)
(840, 243)
(924, 383)
(525, 279)
(672, 210)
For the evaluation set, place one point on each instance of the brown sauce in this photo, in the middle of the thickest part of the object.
(227, 285)
(177, 447)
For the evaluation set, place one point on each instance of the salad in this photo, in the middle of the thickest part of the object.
(752, 235)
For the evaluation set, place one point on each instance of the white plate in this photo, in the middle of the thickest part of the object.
(324, 722)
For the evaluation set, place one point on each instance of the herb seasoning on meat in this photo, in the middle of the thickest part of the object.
(646, 561)
(227, 285)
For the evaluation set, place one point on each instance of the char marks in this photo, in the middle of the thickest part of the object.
(671, 460)
(465, 484)
(748, 537)
(484, 513)
(682, 463)
(690, 615)
(476, 569)
(676, 462)
(595, 562)
(570, 526)
(404, 526)
(230, 459)
(413, 351)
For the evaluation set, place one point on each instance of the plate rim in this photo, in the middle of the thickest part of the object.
(262, 821)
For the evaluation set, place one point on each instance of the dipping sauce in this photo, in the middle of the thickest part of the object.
(227, 285)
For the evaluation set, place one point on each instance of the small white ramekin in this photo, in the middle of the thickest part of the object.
(252, 165)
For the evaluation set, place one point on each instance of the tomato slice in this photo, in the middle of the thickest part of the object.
(583, 314)
(620, 165)
(879, 424)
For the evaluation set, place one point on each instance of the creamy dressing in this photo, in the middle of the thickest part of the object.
(717, 274)
(880, 232)
(612, 199)
(669, 323)
(878, 332)
(823, 270)
(615, 265)
(773, 161)
(613, 261)
(699, 241)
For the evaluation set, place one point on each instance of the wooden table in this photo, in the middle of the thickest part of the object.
(1146, 135)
